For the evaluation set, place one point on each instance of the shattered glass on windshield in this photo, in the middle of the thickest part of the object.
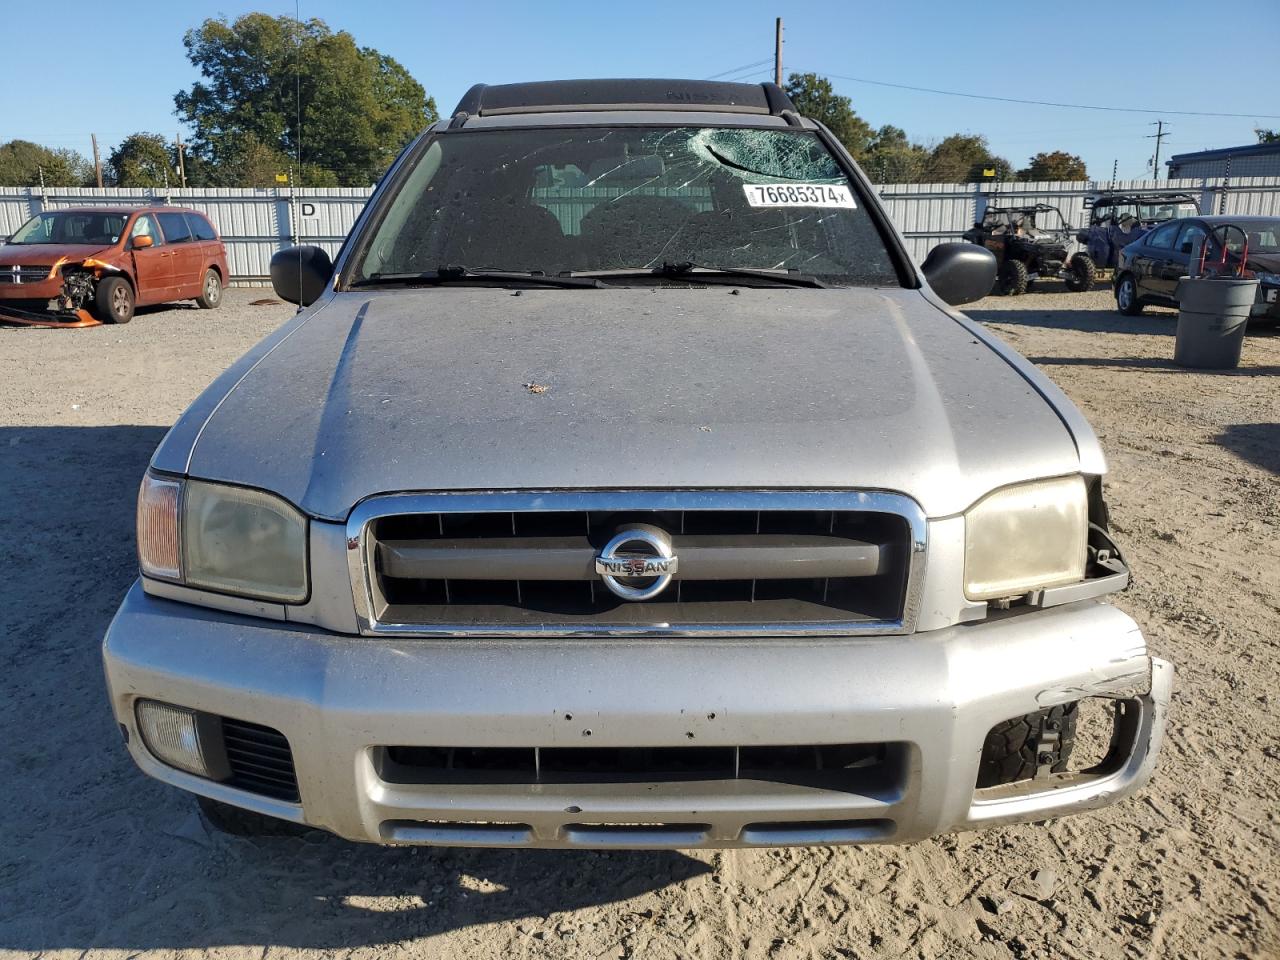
(597, 199)
(765, 156)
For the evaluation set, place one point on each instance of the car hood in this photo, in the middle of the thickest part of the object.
(47, 253)
(472, 389)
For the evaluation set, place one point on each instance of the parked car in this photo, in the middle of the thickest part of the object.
(679, 512)
(1119, 219)
(1027, 250)
(1149, 269)
(96, 264)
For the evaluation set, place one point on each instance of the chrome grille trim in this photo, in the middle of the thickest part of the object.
(25, 273)
(360, 565)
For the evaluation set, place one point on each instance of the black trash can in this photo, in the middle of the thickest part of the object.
(1212, 314)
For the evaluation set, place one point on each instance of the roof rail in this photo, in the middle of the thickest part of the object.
(560, 96)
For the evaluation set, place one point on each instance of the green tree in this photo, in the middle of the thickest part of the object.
(962, 158)
(814, 97)
(242, 160)
(142, 160)
(1267, 136)
(358, 107)
(1055, 166)
(892, 158)
(27, 164)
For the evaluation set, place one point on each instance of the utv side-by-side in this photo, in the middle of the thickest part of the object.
(1028, 249)
(1119, 219)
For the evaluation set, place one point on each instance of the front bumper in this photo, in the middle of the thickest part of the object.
(936, 694)
(1268, 305)
(45, 289)
(25, 304)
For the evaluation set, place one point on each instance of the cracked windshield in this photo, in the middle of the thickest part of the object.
(591, 200)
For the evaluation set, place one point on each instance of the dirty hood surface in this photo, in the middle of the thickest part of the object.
(473, 389)
(47, 253)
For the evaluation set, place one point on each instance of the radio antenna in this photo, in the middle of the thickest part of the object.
(297, 83)
(297, 143)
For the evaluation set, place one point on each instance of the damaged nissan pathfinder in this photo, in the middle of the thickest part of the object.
(624, 483)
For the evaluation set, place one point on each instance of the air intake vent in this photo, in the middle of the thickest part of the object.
(260, 760)
(869, 769)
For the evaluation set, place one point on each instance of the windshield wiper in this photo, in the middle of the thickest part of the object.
(687, 268)
(456, 273)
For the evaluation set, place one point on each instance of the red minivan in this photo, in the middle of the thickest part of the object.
(68, 267)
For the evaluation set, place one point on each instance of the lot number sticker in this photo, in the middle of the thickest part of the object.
(798, 195)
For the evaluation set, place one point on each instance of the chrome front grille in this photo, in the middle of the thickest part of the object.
(26, 273)
(749, 563)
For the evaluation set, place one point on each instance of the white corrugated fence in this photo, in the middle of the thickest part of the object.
(256, 222)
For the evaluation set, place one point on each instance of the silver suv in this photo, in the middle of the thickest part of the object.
(623, 483)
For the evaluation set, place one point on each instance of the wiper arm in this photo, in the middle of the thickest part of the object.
(456, 273)
(792, 278)
(687, 268)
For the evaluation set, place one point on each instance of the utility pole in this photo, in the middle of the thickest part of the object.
(1158, 136)
(97, 162)
(182, 167)
(1226, 180)
(777, 51)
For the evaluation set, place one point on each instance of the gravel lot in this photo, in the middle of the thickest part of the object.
(95, 857)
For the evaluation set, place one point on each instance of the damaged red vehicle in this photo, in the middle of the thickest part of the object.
(87, 265)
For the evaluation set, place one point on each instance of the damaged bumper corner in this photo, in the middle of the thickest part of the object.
(37, 318)
(1141, 703)
(67, 290)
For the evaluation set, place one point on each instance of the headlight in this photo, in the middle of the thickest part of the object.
(1026, 537)
(218, 537)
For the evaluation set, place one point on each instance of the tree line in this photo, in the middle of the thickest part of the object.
(289, 100)
(277, 99)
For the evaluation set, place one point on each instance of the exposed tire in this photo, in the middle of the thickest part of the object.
(1081, 273)
(210, 291)
(113, 300)
(1011, 750)
(246, 823)
(1012, 280)
(1127, 301)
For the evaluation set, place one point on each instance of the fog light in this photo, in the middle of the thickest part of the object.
(182, 738)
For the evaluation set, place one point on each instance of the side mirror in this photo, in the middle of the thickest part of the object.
(960, 272)
(301, 274)
(142, 242)
(1185, 248)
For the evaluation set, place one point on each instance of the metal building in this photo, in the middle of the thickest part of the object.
(1253, 160)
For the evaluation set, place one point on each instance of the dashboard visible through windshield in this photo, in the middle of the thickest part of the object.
(583, 200)
(71, 227)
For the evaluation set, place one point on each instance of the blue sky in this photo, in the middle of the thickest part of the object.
(117, 74)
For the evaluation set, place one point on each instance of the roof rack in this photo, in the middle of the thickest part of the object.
(562, 96)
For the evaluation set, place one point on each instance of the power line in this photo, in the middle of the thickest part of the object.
(1051, 103)
(745, 66)
(758, 72)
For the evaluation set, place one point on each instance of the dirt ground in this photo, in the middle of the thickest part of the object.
(96, 858)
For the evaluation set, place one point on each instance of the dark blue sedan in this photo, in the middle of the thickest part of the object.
(1149, 268)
